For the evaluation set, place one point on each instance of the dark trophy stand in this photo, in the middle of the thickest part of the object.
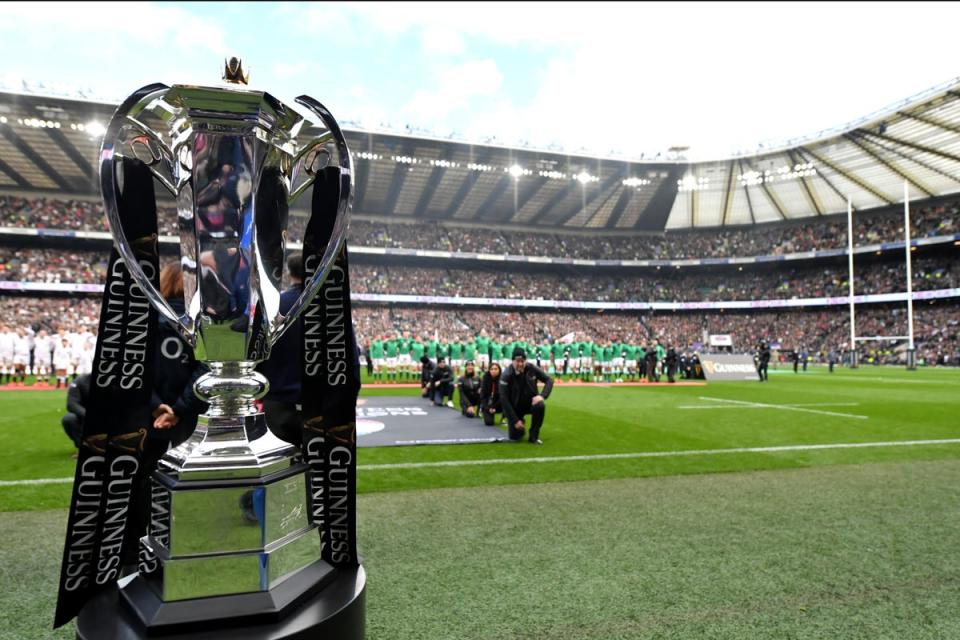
(335, 612)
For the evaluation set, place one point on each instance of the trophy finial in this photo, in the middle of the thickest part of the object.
(233, 71)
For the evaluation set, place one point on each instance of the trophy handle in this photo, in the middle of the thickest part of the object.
(108, 187)
(339, 235)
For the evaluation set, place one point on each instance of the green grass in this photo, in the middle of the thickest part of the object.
(899, 405)
(854, 552)
(601, 549)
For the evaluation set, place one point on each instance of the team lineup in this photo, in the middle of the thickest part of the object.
(399, 358)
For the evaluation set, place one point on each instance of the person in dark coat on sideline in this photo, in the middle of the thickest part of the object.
(520, 395)
(469, 386)
(78, 393)
(174, 406)
(426, 375)
(490, 395)
(671, 361)
(441, 384)
(283, 369)
(763, 361)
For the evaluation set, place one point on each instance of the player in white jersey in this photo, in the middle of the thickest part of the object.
(43, 356)
(7, 340)
(85, 338)
(31, 338)
(62, 361)
(77, 340)
(21, 356)
(85, 359)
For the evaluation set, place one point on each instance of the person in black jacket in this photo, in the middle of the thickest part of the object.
(490, 395)
(77, 395)
(763, 361)
(671, 362)
(441, 384)
(174, 405)
(469, 387)
(520, 395)
(650, 363)
(283, 368)
(426, 375)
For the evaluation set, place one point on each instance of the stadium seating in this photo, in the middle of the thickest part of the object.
(816, 330)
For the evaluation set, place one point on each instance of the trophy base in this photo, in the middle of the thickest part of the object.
(337, 610)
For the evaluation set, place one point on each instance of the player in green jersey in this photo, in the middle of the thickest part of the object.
(456, 356)
(377, 355)
(404, 360)
(417, 349)
(483, 350)
(393, 350)
(556, 353)
(630, 361)
(597, 362)
(661, 355)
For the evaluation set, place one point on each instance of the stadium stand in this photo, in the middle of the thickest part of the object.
(934, 220)
(443, 218)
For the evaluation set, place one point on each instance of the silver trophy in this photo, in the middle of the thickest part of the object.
(229, 525)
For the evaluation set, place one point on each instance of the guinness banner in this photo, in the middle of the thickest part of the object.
(729, 366)
(331, 383)
(118, 412)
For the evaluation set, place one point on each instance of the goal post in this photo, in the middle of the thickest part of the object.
(908, 261)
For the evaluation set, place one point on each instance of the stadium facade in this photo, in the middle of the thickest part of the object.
(49, 145)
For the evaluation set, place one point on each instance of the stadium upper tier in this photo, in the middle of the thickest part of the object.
(932, 219)
(930, 273)
(51, 143)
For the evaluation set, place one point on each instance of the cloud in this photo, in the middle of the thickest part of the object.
(643, 77)
(289, 69)
(457, 87)
(443, 41)
(148, 25)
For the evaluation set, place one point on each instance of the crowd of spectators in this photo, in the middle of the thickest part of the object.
(770, 239)
(936, 326)
(777, 239)
(51, 313)
(668, 285)
(52, 265)
(77, 215)
(657, 286)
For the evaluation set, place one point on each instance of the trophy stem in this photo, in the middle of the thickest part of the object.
(231, 389)
(231, 439)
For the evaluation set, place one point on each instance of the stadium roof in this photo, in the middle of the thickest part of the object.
(50, 144)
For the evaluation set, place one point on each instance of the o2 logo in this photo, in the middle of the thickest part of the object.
(172, 348)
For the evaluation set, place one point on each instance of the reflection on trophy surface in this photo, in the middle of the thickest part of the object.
(229, 514)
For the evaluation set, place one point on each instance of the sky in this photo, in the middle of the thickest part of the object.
(621, 78)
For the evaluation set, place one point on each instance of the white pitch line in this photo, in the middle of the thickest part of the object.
(653, 454)
(856, 378)
(745, 404)
(802, 404)
(599, 456)
(18, 483)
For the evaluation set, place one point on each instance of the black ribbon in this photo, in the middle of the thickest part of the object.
(118, 414)
(330, 385)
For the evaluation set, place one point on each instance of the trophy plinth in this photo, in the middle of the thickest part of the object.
(231, 541)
